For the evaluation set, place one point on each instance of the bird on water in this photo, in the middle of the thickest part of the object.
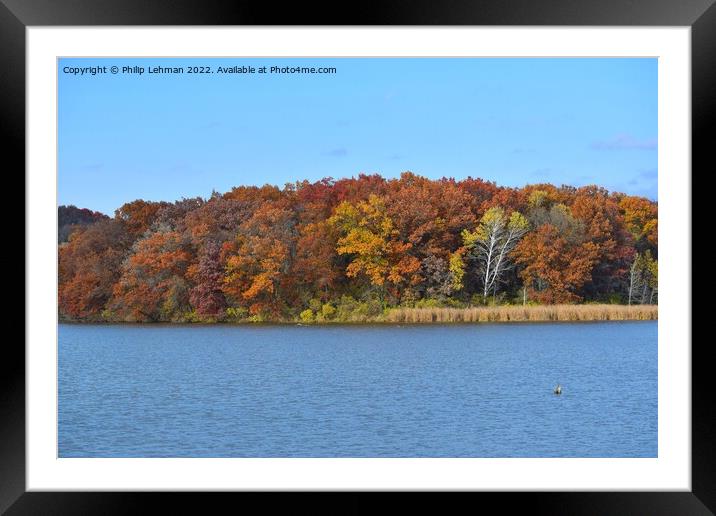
(558, 389)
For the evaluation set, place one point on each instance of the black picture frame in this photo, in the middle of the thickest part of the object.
(700, 15)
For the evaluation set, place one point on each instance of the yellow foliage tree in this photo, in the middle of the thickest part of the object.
(369, 235)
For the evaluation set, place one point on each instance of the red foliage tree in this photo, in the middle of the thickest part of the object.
(553, 268)
(207, 296)
(89, 267)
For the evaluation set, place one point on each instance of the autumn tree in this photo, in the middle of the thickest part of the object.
(358, 243)
(89, 267)
(641, 220)
(218, 219)
(480, 193)
(492, 242)
(553, 267)
(355, 189)
(153, 284)
(643, 279)
(207, 275)
(430, 216)
(410, 205)
(71, 217)
(138, 215)
(604, 227)
(315, 201)
(174, 214)
(457, 269)
(438, 277)
(259, 260)
(369, 236)
(316, 269)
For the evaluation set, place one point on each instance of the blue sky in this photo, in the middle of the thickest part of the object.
(513, 121)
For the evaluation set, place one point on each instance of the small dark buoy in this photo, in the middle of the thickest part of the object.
(558, 389)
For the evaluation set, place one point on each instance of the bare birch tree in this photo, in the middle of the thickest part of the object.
(634, 276)
(643, 279)
(491, 243)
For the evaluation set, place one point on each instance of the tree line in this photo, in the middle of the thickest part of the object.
(335, 248)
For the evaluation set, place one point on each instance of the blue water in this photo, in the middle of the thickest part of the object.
(359, 391)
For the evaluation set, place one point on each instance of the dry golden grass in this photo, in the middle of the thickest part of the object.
(524, 313)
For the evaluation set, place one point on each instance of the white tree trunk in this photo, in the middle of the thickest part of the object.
(633, 277)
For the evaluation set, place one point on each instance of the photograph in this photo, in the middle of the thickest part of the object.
(411, 247)
(358, 257)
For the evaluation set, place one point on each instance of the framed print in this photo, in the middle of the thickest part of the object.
(412, 251)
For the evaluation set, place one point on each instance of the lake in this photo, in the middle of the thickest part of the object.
(482, 390)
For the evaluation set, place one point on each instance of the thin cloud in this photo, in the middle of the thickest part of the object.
(584, 180)
(625, 142)
(210, 125)
(542, 172)
(644, 178)
(652, 173)
(336, 153)
(179, 167)
(637, 186)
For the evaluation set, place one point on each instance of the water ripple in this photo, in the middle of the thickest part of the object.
(413, 391)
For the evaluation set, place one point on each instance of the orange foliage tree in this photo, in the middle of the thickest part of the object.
(369, 236)
(258, 260)
(553, 268)
(153, 284)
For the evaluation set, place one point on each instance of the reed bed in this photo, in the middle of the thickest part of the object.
(524, 313)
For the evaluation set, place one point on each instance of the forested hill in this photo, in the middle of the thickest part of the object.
(68, 217)
(357, 246)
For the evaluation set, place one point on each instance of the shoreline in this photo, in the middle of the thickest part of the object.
(440, 316)
(332, 324)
